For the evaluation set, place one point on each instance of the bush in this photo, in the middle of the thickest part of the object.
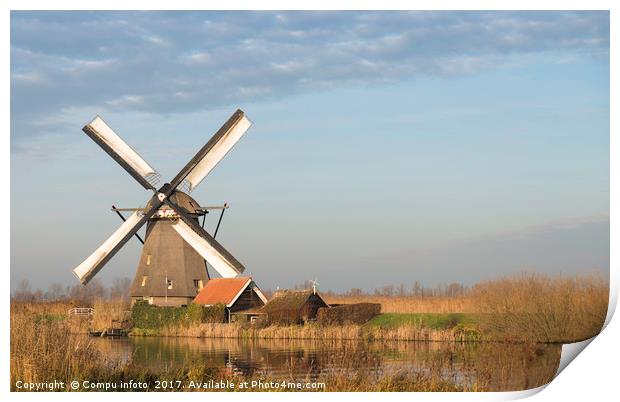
(214, 314)
(359, 313)
(144, 315)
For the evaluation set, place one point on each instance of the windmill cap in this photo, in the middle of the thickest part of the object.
(181, 199)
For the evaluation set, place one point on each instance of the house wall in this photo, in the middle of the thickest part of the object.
(248, 299)
(311, 308)
(245, 318)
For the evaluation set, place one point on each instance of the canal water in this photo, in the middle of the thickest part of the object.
(489, 366)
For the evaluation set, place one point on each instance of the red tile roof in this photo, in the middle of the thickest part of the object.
(221, 290)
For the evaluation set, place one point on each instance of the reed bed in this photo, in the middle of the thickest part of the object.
(44, 349)
(525, 307)
(314, 331)
(107, 311)
(49, 308)
(547, 309)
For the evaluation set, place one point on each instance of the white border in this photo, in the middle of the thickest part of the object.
(591, 376)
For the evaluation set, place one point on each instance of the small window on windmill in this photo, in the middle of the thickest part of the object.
(148, 259)
(144, 280)
(169, 283)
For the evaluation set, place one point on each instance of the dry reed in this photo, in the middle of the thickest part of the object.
(314, 331)
(535, 307)
(525, 307)
(107, 311)
(44, 349)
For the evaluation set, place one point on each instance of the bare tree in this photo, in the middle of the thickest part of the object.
(455, 289)
(23, 291)
(88, 293)
(355, 292)
(416, 289)
(120, 288)
(388, 290)
(55, 292)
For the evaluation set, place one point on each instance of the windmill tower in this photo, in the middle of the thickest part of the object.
(172, 267)
(170, 271)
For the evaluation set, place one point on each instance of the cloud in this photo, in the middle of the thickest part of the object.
(176, 62)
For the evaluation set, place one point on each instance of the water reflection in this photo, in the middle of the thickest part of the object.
(490, 366)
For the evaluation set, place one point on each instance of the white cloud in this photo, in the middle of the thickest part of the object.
(31, 77)
(126, 101)
(170, 62)
(198, 58)
(157, 40)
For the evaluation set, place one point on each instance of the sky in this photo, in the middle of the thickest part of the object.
(387, 147)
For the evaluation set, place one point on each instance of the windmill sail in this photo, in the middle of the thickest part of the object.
(93, 264)
(213, 151)
(224, 263)
(118, 149)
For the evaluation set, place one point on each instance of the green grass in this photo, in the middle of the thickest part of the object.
(426, 320)
(144, 332)
(50, 317)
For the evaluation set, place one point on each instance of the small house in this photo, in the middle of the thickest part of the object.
(237, 294)
(294, 306)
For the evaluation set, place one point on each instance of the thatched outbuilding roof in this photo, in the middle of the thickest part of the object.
(292, 306)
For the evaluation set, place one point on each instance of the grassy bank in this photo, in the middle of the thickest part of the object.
(389, 327)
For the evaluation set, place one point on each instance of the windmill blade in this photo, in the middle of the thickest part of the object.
(118, 149)
(93, 264)
(213, 151)
(212, 251)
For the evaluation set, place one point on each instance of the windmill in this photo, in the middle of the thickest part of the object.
(172, 267)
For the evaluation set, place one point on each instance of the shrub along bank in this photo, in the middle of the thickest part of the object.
(358, 313)
(146, 316)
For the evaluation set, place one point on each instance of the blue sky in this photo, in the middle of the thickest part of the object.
(386, 147)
